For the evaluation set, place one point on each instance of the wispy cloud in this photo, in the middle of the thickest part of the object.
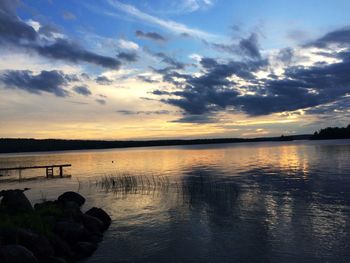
(194, 5)
(170, 25)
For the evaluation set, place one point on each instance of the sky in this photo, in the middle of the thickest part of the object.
(164, 69)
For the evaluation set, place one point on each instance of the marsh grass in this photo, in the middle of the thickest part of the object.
(128, 184)
(190, 189)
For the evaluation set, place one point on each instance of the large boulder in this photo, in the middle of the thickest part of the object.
(16, 254)
(71, 232)
(14, 201)
(61, 247)
(84, 249)
(73, 197)
(100, 214)
(38, 244)
(91, 223)
(94, 238)
(71, 210)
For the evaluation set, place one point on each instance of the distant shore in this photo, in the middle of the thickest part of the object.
(17, 145)
(14, 145)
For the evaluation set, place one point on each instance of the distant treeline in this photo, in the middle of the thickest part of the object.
(332, 133)
(34, 145)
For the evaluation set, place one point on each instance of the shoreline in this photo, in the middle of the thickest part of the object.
(10, 145)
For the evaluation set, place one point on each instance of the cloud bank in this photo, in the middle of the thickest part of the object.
(235, 86)
(16, 33)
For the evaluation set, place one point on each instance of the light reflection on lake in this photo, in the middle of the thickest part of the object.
(256, 202)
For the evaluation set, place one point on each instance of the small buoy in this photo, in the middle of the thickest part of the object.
(112, 161)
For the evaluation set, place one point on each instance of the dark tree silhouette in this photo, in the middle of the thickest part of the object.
(332, 133)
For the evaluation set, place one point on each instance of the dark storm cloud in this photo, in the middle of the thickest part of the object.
(341, 36)
(102, 80)
(12, 29)
(82, 90)
(286, 55)
(340, 107)
(299, 88)
(250, 47)
(170, 61)
(128, 56)
(213, 90)
(161, 92)
(228, 48)
(69, 51)
(157, 112)
(147, 79)
(150, 36)
(174, 77)
(15, 32)
(247, 47)
(47, 81)
(9, 6)
(200, 119)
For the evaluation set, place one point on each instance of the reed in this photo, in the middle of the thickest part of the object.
(190, 188)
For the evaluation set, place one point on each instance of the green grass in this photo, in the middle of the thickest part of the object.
(37, 220)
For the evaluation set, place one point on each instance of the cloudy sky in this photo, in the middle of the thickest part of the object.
(142, 69)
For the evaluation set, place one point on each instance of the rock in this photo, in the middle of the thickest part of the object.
(61, 247)
(39, 245)
(100, 214)
(73, 197)
(71, 210)
(95, 238)
(16, 254)
(14, 201)
(57, 260)
(71, 232)
(84, 249)
(91, 223)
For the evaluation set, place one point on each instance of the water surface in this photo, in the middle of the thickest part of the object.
(248, 202)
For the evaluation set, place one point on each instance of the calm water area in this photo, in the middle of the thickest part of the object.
(247, 202)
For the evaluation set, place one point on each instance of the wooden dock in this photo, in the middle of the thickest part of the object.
(49, 169)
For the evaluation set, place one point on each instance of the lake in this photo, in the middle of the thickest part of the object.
(247, 202)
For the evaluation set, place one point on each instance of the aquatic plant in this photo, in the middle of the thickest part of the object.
(189, 188)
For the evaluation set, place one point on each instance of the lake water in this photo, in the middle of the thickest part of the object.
(249, 202)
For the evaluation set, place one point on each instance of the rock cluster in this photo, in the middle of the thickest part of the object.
(51, 231)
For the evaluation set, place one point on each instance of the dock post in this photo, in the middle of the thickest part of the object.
(61, 171)
(49, 172)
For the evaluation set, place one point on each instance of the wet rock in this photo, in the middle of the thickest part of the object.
(100, 214)
(95, 237)
(71, 210)
(71, 232)
(61, 247)
(15, 201)
(84, 249)
(73, 197)
(16, 254)
(39, 245)
(91, 223)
